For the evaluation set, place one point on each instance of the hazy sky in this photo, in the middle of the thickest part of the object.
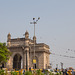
(56, 26)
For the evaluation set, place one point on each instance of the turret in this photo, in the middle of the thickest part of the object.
(26, 35)
(34, 39)
(26, 38)
(8, 39)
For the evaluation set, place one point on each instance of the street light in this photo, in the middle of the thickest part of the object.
(34, 22)
(61, 65)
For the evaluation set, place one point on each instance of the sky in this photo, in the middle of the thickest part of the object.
(55, 28)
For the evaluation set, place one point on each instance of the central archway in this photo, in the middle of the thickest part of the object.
(17, 61)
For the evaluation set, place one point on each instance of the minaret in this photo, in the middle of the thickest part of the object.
(8, 39)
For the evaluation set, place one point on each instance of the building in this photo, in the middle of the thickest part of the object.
(23, 53)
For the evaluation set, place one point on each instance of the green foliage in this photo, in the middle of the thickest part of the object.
(6, 73)
(28, 73)
(46, 72)
(60, 72)
(57, 73)
(2, 72)
(50, 73)
(20, 73)
(4, 53)
(38, 72)
(42, 74)
(14, 73)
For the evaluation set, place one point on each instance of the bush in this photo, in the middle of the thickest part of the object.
(28, 73)
(2, 72)
(38, 72)
(6, 73)
(14, 73)
(50, 73)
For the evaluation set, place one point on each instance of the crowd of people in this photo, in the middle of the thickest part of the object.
(66, 71)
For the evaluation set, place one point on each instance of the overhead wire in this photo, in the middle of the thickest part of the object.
(63, 55)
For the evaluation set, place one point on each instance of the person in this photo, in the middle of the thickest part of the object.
(43, 70)
(66, 72)
(69, 72)
(23, 72)
(30, 69)
(73, 73)
(56, 70)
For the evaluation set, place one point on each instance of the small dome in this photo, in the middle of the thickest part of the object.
(34, 37)
(26, 33)
(9, 34)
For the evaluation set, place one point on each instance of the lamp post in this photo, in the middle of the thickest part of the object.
(34, 22)
(61, 65)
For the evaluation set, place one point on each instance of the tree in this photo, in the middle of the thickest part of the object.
(4, 53)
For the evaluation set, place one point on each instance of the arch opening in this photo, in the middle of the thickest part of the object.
(17, 60)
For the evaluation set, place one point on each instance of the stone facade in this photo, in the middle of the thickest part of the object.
(23, 53)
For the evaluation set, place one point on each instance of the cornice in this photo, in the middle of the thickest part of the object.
(41, 52)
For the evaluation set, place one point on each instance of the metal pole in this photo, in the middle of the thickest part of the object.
(34, 22)
(61, 65)
(34, 47)
(34, 44)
